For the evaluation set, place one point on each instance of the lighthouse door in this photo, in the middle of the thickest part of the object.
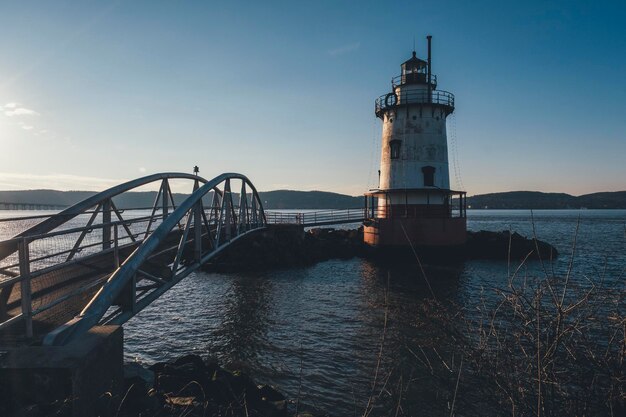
(429, 176)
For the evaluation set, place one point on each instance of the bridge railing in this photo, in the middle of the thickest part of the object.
(40, 255)
(7, 205)
(31, 268)
(185, 239)
(28, 275)
(62, 246)
(71, 244)
(47, 253)
(317, 218)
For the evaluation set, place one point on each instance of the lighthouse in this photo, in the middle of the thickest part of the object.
(413, 204)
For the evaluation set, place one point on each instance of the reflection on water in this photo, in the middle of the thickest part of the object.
(246, 318)
(321, 326)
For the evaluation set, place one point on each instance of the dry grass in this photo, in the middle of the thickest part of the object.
(546, 345)
(549, 346)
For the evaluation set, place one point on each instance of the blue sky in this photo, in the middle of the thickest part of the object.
(94, 92)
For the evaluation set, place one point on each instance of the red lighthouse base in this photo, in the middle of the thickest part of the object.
(415, 231)
(439, 222)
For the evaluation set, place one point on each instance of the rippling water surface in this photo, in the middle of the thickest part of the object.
(317, 329)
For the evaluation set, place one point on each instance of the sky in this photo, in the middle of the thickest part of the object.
(93, 93)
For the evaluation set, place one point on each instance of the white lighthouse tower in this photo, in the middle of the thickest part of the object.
(413, 203)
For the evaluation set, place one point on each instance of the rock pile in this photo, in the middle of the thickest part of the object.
(191, 386)
(502, 245)
(286, 246)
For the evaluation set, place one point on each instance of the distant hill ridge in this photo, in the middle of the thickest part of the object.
(539, 200)
(278, 199)
(291, 199)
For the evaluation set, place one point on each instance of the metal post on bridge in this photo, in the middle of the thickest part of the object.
(197, 229)
(106, 221)
(255, 214)
(227, 203)
(116, 250)
(25, 288)
(164, 200)
(197, 222)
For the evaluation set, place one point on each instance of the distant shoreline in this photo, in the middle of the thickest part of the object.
(322, 200)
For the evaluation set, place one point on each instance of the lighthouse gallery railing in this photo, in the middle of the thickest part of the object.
(442, 98)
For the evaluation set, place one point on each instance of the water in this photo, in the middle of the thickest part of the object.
(316, 330)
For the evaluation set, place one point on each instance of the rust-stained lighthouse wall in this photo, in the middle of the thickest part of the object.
(423, 142)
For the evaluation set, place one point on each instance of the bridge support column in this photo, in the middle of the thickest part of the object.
(82, 371)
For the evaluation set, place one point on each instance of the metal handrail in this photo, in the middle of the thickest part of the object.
(105, 196)
(45, 216)
(92, 227)
(402, 79)
(47, 269)
(398, 212)
(321, 217)
(88, 229)
(438, 97)
(23, 267)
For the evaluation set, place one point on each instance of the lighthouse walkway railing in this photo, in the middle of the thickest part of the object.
(413, 77)
(312, 218)
(416, 212)
(438, 97)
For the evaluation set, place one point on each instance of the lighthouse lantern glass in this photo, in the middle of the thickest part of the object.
(414, 70)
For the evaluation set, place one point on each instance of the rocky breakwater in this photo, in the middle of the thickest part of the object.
(290, 245)
(191, 386)
(506, 245)
(188, 386)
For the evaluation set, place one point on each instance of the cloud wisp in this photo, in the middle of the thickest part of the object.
(64, 182)
(344, 49)
(18, 111)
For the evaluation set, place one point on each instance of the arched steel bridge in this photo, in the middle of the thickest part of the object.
(94, 263)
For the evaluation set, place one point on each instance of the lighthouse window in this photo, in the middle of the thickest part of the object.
(395, 148)
(429, 176)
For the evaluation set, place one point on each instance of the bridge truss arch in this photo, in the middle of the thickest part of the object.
(189, 237)
(139, 265)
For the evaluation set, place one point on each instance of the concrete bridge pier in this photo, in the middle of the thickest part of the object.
(83, 372)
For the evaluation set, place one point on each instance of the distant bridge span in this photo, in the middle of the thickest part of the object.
(8, 205)
(93, 263)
